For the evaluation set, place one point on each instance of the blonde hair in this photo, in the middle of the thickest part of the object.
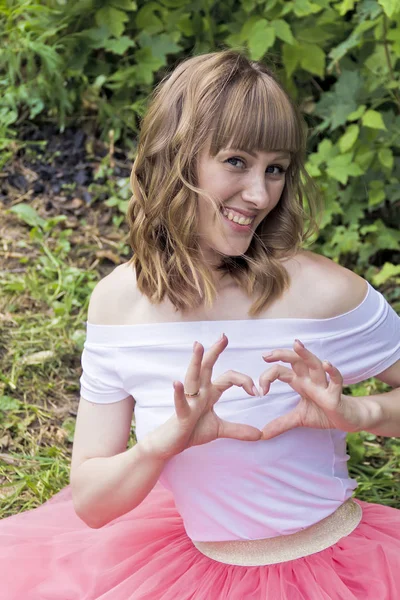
(238, 103)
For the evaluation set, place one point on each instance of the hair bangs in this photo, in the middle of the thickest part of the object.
(256, 115)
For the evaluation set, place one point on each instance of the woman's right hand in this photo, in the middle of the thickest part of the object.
(195, 421)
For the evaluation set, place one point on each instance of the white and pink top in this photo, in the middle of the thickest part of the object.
(229, 489)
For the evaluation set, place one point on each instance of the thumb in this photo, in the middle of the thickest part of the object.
(280, 425)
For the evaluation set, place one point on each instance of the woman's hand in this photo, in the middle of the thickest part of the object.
(195, 421)
(322, 404)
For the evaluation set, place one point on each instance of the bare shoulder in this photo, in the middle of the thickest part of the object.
(329, 288)
(113, 296)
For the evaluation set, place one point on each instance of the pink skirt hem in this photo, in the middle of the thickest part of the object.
(49, 554)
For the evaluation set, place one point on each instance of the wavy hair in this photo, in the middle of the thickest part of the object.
(215, 100)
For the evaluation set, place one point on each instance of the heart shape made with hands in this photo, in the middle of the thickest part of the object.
(319, 384)
(322, 404)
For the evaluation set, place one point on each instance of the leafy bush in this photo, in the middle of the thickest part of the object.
(97, 60)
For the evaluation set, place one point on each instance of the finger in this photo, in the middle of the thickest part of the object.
(280, 425)
(288, 356)
(182, 407)
(314, 364)
(192, 379)
(238, 431)
(304, 363)
(284, 374)
(210, 358)
(335, 376)
(231, 378)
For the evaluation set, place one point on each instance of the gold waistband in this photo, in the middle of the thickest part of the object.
(269, 551)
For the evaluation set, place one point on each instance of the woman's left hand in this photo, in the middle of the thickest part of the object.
(322, 404)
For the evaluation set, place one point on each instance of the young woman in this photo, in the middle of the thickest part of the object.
(231, 343)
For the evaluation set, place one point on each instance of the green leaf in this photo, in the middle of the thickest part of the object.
(341, 50)
(364, 157)
(124, 4)
(118, 46)
(28, 214)
(246, 30)
(7, 403)
(388, 271)
(348, 139)
(147, 20)
(342, 167)
(185, 25)
(335, 106)
(147, 64)
(233, 40)
(386, 159)
(376, 63)
(113, 19)
(373, 119)
(345, 6)
(174, 3)
(313, 170)
(376, 193)
(161, 45)
(261, 39)
(326, 151)
(317, 34)
(248, 5)
(291, 58)
(354, 116)
(283, 31)
(345, 238)
(302, 8)
(390, 7)
(355, 39)
(312, 59)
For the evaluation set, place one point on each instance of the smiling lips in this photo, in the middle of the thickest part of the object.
(237, 217)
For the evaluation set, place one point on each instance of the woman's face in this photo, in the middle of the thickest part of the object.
(247, 187)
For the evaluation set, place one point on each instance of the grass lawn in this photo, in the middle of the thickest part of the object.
(50, 261)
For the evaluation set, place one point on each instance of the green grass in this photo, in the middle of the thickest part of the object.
(43, 309)
(43, 305)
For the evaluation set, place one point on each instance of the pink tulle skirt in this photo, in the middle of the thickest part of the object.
(49, 554)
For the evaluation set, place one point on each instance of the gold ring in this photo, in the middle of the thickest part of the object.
(192, 395)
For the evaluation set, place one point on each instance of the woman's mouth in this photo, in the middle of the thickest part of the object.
(236, 221)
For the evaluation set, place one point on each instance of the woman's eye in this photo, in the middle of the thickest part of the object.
(235, 158)
(271, 170)
(279, 170)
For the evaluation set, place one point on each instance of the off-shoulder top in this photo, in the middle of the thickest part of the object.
(230, 489)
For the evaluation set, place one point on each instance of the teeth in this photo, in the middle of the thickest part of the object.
(241, 220)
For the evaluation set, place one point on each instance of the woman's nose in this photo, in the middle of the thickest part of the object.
(256, 192)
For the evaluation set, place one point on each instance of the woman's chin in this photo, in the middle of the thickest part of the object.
(233, 251)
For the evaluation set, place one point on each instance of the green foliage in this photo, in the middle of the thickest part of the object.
(99, 59)
(96, 61)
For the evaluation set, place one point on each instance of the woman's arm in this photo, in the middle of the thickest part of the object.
(382, 411)
(105, 488)
(107, 481)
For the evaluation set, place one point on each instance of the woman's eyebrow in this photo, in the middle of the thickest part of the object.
(283, 155)
(254, 155)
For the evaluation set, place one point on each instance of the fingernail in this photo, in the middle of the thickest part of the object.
(194, 346)
(221, 338)
(255, 390)
(266, 354)
(299, 342)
